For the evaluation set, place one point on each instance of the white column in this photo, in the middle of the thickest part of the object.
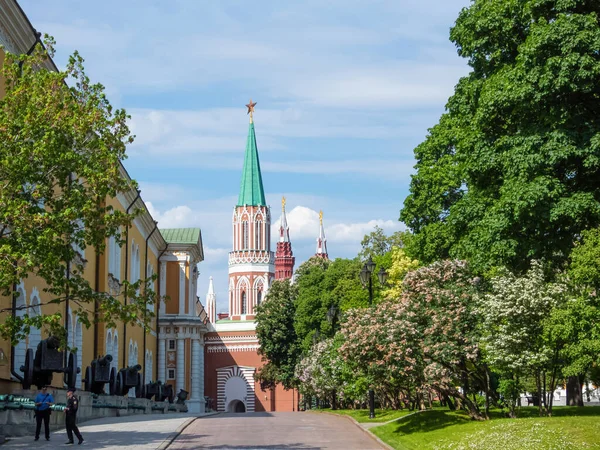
(181, 288)
(192, 294)
(163, 285)
(180, 365)
(195, 394)
(162, 360)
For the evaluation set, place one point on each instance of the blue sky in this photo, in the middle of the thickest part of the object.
(345, 91)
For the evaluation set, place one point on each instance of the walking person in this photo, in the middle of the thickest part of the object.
(71, 416)
(43, 401)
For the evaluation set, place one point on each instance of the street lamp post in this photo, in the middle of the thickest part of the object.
(367, 280)
(332, 316)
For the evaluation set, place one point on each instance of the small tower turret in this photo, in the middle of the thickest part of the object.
(284, 257)
(211, 302)
(321, 240)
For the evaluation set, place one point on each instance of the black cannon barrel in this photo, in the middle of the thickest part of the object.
(135, 368)
(104, 360)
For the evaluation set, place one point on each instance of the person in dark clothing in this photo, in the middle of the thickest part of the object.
(42, 412)
(71, 416)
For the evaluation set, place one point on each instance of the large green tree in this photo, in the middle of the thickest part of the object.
(510, 173)
(61, 146)
(276, 335)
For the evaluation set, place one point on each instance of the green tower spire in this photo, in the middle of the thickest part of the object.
(251, 188)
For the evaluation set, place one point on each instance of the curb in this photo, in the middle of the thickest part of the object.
(169, 440)
(358, 425)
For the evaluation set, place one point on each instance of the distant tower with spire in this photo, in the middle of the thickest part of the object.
(321, 240)
(251, 262)
(284, 257)
(211, 302)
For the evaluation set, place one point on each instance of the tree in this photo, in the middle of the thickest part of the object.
(377, 243)
(401, 265)
(585, 260)
(509, 174)
(513, 340)
(61, 144)
(425, 341)
(278, 341)
(322, 285)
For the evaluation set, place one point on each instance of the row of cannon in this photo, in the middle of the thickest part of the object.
(49, 359)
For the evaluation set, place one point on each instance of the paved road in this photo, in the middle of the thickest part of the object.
(296, 430)
(140, 432)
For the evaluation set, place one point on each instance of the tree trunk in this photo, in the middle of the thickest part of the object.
(538, 382)
(450, 403)
(487, 393)
(574, 397)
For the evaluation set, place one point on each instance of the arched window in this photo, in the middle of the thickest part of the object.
(115, 350)
(258, 237)
(21, 346)
(35, 334)
(258, 297)
(245, 234)
(244, 306)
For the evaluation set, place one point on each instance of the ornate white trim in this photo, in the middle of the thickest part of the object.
(232, 348)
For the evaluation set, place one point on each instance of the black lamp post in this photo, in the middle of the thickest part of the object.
(332, 316)
(367, 280)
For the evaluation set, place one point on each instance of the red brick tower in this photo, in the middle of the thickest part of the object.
(284, 257)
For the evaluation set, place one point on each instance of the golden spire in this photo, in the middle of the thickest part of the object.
(250, 107)
(321, 217)
(283, 203)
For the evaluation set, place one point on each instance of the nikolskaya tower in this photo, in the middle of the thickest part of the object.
(251, 262)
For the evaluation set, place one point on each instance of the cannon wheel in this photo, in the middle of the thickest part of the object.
(89, 379)
(139, 388)
(72, 370)
(121, 388)
(112, 384)
(28, 369)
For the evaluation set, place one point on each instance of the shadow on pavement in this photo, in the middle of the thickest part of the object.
(93, 439)
(248, 414)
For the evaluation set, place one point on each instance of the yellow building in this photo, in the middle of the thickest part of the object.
(172, 350)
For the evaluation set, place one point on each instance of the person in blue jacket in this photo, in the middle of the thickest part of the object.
(43, 401)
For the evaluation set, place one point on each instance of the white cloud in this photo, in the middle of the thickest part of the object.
(304, 225)
(178, 217)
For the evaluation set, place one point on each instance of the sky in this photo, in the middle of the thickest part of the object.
(345, 91)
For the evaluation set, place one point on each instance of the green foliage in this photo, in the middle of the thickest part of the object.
(61, 150)
(573, 329)
(585, 259)
(321, 285)
(376, 243)
(510, 173)
(276, 335)
(510, 391)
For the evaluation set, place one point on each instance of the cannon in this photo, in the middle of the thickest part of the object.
(182, 396)
(159, 391)
(166, 393)
(153, 390)
(127, 378)
(39, 369)
(98, 374)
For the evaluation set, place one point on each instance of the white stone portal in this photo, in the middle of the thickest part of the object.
(236, 389)
(235, 383)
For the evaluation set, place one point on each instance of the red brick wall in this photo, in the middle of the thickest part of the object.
(283, 401)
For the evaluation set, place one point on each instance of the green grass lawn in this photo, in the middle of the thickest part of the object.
(570, 428)
(362, 415)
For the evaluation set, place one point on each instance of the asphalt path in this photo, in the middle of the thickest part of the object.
(293, 430)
